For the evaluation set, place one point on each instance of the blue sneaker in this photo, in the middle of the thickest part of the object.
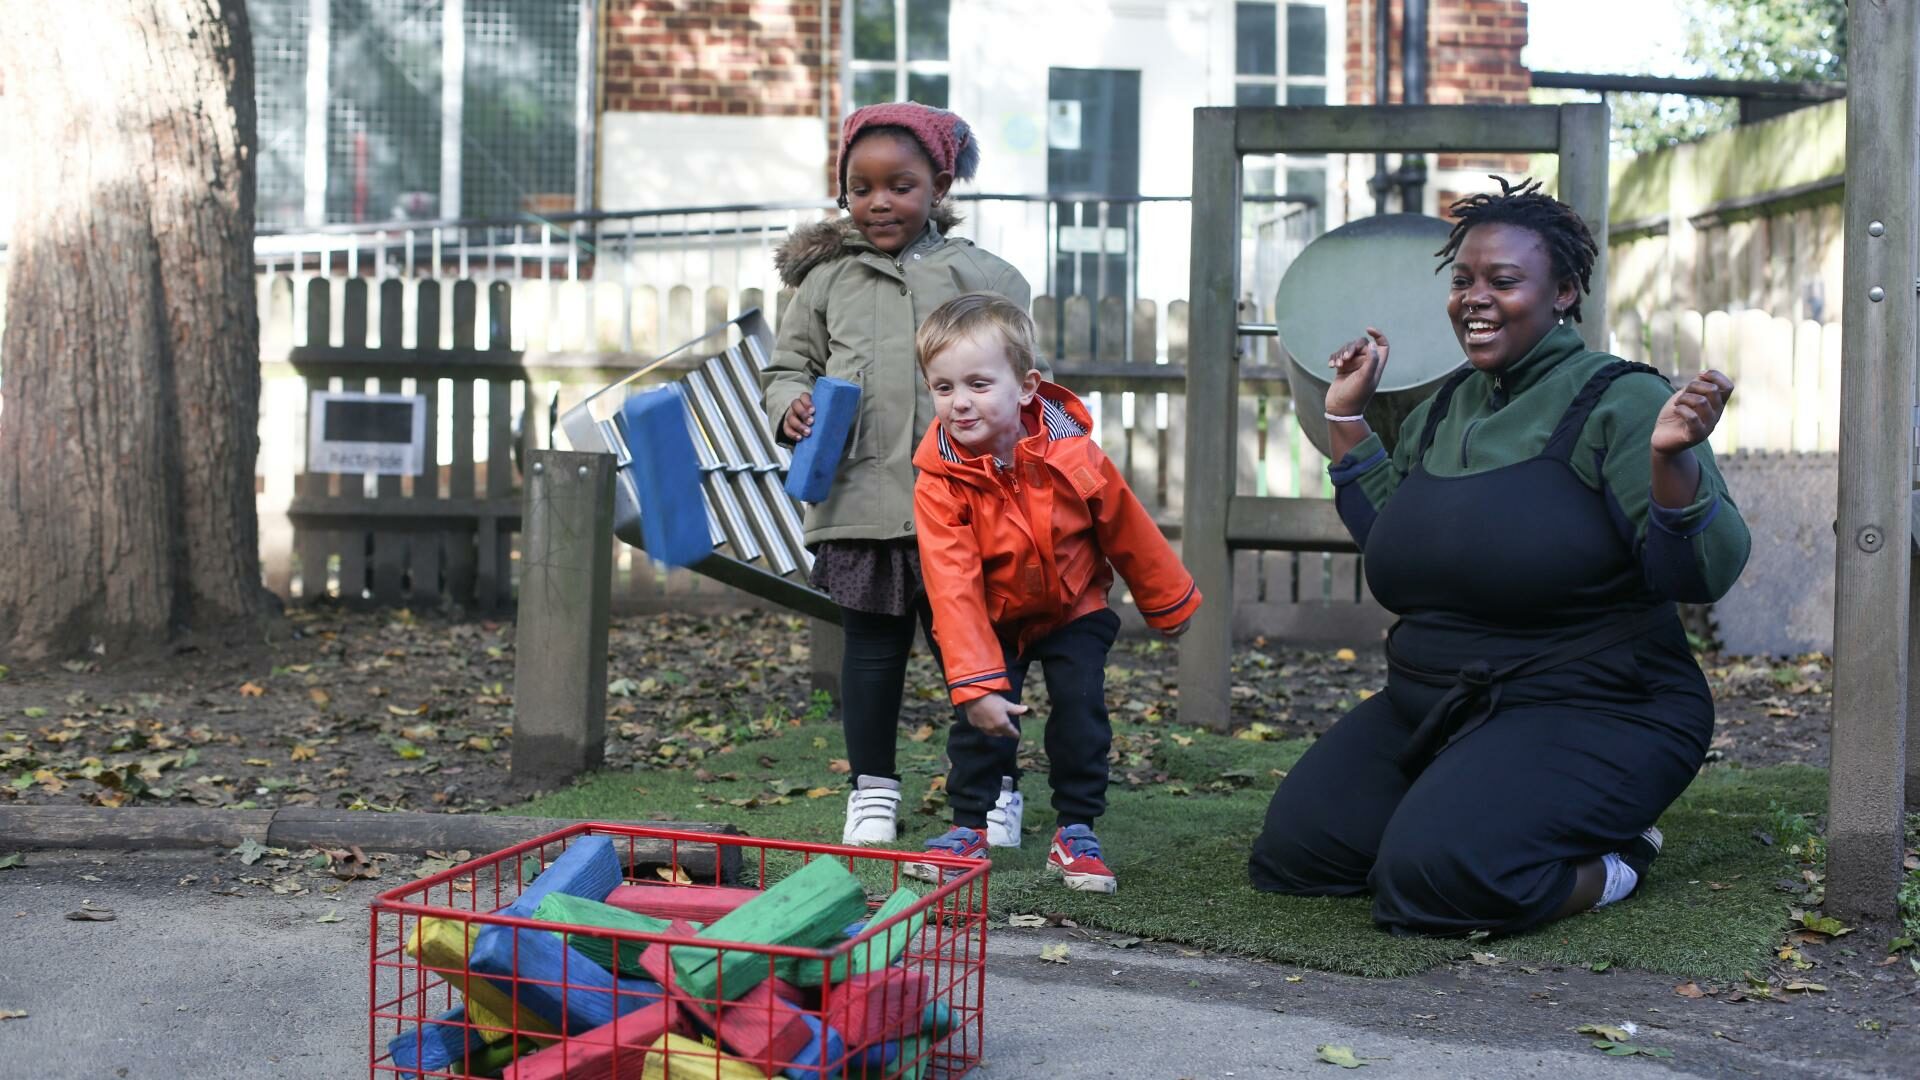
(959, 842)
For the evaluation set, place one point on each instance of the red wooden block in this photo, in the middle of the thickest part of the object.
(763, 1026)
(691, 902)
(591, 1055)
(878, 1006)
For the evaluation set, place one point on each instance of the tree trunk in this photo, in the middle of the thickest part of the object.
(131, 351)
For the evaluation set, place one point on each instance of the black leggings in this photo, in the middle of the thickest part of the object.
(873, 675)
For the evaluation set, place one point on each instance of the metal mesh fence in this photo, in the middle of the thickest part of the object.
(383, 109)
(520, 133)
(280, 29)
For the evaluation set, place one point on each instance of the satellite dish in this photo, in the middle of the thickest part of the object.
(1375, 271)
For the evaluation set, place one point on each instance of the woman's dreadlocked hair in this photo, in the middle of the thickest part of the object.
(1569, 243)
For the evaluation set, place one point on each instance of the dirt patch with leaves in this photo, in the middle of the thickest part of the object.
(390, 709)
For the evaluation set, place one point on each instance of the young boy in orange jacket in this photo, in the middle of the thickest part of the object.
(1022, 521)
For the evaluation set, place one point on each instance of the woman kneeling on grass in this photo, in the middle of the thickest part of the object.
(1533, 528)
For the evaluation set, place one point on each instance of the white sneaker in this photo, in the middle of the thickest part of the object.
(871, 811)
(1003, 821)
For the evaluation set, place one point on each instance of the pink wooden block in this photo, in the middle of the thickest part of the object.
(764, 1026)
(591, 1055)
(878, 1006)
(691, 902)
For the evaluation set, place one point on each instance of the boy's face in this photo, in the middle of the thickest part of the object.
(977, 397)
(891, 188)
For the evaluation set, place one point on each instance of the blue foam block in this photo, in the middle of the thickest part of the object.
(588, 869)
(588, 999)
(666, 475)
(817, 457)
(439, 1045)
(821, 1056)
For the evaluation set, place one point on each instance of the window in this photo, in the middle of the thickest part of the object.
(1281, 57)
(896, 51)
(358, 121)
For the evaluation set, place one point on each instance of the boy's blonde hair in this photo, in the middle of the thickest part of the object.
(967, 315)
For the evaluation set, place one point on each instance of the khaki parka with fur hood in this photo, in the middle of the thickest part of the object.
(854, 317)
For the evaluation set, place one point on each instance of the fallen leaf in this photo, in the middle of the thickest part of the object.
(8, 862)
(480, 743)
(1487, 958)
(1054, 954)
(1605, 1031)
(91, 915)
(330, 917)
(397, 710)
(673, 874)
(12, 1014)
(33, 712)
(303, 752)
(319, 697)
(1805, 987)
(249, 851)
(1123, 942)
(921, 733)
(820, 792)
(251, 690)
(1824, 924)
(1027, 921)
(1342, 1056)
(1690, 990)
(1625, 1049)
(1295, 978)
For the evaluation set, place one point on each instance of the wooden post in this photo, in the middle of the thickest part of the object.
(560, 643)
(828, 647)
(1873, 566)
(1583, 186)
(1213, 391)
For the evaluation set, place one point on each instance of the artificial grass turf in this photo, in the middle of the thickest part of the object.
(1179, 848)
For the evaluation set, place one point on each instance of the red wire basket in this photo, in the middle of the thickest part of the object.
(663, 954)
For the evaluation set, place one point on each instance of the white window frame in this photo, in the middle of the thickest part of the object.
(1282, 78)
(1332, 81)
(850, 68)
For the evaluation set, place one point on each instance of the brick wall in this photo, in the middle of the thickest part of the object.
(718, 57)
(1473, 58)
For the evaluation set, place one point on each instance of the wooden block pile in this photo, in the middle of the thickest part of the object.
(575, 1005)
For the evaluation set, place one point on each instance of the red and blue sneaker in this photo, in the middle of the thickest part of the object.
(959, 842)
(1076, 858)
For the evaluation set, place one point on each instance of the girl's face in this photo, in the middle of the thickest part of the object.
(1504, 296)
(891, 188)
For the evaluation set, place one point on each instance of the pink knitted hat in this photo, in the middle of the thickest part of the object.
(946, 138)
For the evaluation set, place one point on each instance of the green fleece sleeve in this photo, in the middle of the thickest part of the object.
(799, 352)
(1691, 553)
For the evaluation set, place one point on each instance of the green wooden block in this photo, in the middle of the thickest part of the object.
(493, 1060)
(563, 908)
(881, 950)
(809, 909)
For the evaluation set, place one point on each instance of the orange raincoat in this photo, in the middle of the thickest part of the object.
(1011, 554)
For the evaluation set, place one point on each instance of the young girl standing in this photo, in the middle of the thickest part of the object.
(864, 283)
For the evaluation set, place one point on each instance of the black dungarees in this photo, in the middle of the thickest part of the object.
(1541, 706)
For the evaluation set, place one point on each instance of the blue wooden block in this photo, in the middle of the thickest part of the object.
(439, 1045)
(666, 475)
(817, 457)
(588, 999)
(822, 1055)
(588, 869)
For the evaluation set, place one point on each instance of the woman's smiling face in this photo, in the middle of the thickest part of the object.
(1504, 296)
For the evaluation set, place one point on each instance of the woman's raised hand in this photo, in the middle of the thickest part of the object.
(1357, 367)
(1691, 414)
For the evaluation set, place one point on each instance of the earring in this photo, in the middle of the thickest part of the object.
(1561, 317)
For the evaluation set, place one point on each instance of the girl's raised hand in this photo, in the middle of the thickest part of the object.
(1357, 367)
(1691, 414)
(798, 423)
